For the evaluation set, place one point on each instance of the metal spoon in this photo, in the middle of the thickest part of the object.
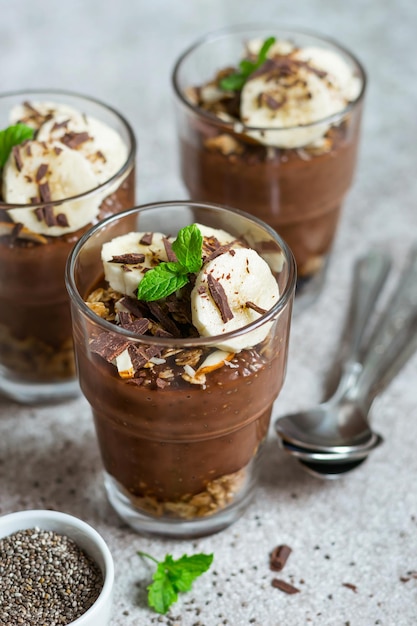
(392, 344)
(332, 424)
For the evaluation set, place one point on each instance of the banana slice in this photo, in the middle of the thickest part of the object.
(103, 147)
(61, 173)
(222, 236)
(280, 102)
(244, 277)
(339, 73)
(304, 94)
(37, 113)
(124, 272)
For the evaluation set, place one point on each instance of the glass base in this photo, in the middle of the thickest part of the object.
(38, 393)
(151, 525)
(309, 288)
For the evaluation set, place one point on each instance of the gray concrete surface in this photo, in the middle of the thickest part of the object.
(360, 530)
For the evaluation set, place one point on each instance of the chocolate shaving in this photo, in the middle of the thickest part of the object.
(166, 322)
(28, 149)
(62, 220)
(136, 307)
(42, 169)
(49, 216)
(15, 231)
(73, 140)
(17, 158)
(282, 585)
(271, 103)
(161, 332)
(28, 105)
(58, 125)
(255, 307)
(350, 586)
(38, 211)
(45, 192)
(279, 556)
(180, 309)
(161, 383)
(108, 346)
(57, 150)
(220, 250)
(220, 299)
(137, 326)
(129, 258)
(146, 239)
(140, 355)
(169, 251)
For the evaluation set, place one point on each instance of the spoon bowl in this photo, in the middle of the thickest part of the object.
(335, 426)
(330, 471)
(343, 454)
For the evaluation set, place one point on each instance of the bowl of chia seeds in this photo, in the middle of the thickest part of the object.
(54, 569)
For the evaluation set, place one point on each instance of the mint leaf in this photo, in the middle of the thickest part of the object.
(166, 278)
(160, 282)
(235, 81)
(13, 136)
(174, 576)
(185, 570)
(188, 246)
(264, 51)
(161, 593)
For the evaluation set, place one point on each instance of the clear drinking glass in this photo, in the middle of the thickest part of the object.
(298, 191)
(180, 458)
(36, 351)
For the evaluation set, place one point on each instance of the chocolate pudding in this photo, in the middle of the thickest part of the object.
(182, 388)
(35, 322)
(280, 141)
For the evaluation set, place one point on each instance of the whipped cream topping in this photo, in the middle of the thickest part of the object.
(71, 154)
(293, 91)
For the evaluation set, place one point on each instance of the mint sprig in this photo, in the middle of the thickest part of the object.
(235, 81)
(13, 136)
(166, 278)
(174, 576)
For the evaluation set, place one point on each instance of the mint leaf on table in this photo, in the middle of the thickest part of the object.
(166, 278)
(235, 81)
(13, 136)
(174, 576)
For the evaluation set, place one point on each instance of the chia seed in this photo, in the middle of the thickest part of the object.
(45, 578)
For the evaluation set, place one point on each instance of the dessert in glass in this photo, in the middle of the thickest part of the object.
(268, 122)
(70, 163)
(181, 316)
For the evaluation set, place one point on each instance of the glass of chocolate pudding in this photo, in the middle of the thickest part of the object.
(269, 122)
(71, 165)
(181, 381)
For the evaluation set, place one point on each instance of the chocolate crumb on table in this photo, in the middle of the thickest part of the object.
(279, 557)
(282, 585)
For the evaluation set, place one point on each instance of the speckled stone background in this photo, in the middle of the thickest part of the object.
(360, 530)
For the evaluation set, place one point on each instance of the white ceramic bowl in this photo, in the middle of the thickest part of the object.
(86, 538)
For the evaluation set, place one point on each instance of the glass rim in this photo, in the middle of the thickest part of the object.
(235, 29)
(279, 306)
(124, 169)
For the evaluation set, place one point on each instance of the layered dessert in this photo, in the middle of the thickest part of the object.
(182, 389)
(64, 171)
(275, 133)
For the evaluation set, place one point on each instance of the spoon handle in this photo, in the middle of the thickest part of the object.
(394, 339)
(369, 275)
